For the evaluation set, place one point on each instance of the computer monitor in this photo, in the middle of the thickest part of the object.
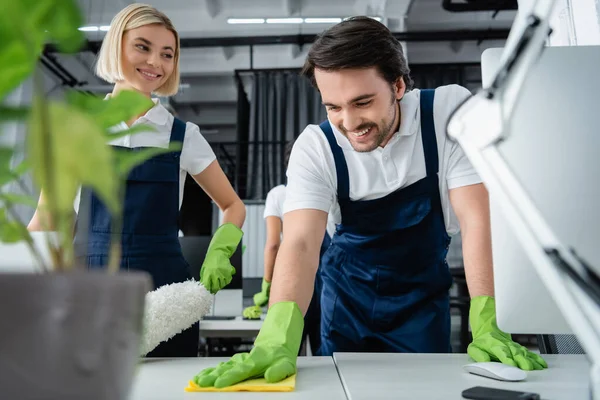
(228, 301)
(553, 149)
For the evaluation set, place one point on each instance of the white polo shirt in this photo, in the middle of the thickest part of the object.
(312, 180)
(196, 153)
(274, 207)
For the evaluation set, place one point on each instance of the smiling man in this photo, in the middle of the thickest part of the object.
(400, 190)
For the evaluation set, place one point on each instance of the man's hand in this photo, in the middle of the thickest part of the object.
(217, 271)
(492, 344)
(273, 356)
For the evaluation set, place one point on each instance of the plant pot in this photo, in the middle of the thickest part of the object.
(70, 336)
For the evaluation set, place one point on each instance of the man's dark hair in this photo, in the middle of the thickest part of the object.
(358, 42)
(287, 153)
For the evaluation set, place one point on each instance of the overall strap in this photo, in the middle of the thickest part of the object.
(428, 132)
(177, 131)
(341, 168)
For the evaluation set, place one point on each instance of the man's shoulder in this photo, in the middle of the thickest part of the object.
(312, 139)
(312, 133)
(452, 93)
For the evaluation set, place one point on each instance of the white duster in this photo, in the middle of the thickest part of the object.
(171, 309)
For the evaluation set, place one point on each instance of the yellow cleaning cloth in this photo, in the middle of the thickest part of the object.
(251, 385)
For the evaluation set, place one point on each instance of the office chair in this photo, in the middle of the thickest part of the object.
(559, 344)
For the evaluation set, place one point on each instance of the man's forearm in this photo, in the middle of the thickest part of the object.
(294, 275)
(477, 256)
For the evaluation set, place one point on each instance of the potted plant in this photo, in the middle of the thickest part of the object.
(65, 333)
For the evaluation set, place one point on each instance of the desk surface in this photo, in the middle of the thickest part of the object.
(441, 376)
(236, 324)
(166, 379)
(237, 327)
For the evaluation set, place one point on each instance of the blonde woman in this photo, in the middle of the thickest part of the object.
(140, 52)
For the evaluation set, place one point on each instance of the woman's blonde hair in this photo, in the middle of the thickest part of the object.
(108, 66)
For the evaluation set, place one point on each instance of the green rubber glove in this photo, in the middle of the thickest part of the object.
(252, 312)
(273, 356)
(217, 271)
(492, 344)
(261, 298)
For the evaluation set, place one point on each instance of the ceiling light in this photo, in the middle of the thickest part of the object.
(105, 28)
(284, 20)
(322, 20)
(291, 20)
(245, 20)
(89, 29)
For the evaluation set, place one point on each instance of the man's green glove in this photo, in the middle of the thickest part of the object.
(261, 298)
(492, 344)
(273, 356)
(217, 271)
(252, 312)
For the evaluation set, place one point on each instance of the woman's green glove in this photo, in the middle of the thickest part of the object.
(217, 271)
(492, 344)
(261, 298)
(273, 356)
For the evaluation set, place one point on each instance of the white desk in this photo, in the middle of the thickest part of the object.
(160, 379)
(441, 376)
(238, 327)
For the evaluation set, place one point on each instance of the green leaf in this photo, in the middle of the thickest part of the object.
(22, 42)
(62, 23)
(13, 198)
(131, 131)
(125, 106)
(25, 26)
(6, 175)
(6, 154)
(22, 168)
(16, 64)
(126, 161)
(70, 150)
(10, 231)
(13, 113)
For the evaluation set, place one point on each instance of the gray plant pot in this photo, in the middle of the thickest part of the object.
(70, 336)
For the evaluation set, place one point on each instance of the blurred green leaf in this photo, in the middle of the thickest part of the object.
(62, 21)
(13, 113)
(16, 64)
(126, 161)
(13, 198)
(25, 27)
(114, 110)
(10, 231)
(70, 150)
(6, 174)
(131, 131)
(22, 168)
(6, 154)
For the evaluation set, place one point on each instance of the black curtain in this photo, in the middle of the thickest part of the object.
(430, 76)
(243, 128)
(282, 104)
